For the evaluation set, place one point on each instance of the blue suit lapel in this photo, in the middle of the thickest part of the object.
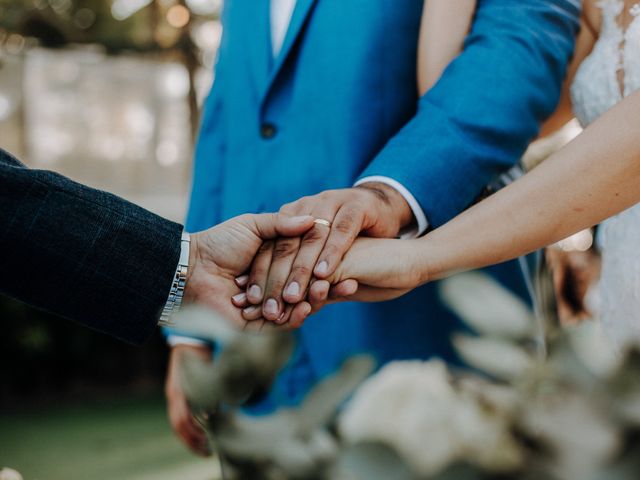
(258, 43)
(298, 19)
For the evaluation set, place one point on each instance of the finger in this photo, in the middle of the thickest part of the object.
(252, 313)
(367, 294)
(191, 434)
(345, 229)
(242, 281)
(272, 225)
(240, 300)
(284, 254)
(286, 316)
(321, 293)
(299, 314)
(259, 273)
(343, 290)
(318, 294)
(262, 326)
(302, 271)
(185, 426)
(196, 439)
(254, 326)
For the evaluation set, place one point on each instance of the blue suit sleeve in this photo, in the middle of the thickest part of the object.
(481, 115)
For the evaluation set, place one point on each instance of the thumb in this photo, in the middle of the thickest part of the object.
(272, 225)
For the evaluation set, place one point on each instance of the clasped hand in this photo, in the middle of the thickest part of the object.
(292, 277)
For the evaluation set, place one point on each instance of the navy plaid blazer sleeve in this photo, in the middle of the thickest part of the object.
(82, 253)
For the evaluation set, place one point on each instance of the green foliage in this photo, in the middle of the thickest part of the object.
(573, 414)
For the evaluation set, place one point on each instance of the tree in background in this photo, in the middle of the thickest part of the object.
(170, 29)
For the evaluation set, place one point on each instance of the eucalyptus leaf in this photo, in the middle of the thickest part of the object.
(628, 408)
(249, 364)
(322, 403)
(487, 307)
(498, 358)
(370, 461)
(460, 471)
(594, 350)
(293, 441)
(582, 434)
(273, 441)
(204, 323)
(200, 382)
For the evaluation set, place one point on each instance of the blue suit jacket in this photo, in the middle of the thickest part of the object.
(340, 102)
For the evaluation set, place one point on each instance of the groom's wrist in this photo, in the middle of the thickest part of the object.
(398, 207)
(413, 221)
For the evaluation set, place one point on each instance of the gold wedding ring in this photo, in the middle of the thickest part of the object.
(321, 221)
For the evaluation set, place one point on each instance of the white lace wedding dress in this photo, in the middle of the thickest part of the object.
(610, 73)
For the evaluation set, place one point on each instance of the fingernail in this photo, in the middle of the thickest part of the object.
(307, 311)
(271, 307)
(293, 289)
(240, 298)
(255, 291)
(250, 310)
(322, 268)
(242, 281)
(280, 319)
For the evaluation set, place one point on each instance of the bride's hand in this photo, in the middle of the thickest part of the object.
(384, 270)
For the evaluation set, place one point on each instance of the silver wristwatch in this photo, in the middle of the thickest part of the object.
(174, 302)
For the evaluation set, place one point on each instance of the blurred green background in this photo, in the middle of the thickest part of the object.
(107, 92)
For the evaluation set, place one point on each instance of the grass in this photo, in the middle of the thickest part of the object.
(127, 440)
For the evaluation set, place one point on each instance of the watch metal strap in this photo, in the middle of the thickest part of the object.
(174, 302)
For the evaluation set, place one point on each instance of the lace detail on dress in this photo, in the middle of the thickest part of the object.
(609, 73)
(596, 87)
(619, 288)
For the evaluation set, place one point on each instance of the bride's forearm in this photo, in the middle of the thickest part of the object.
(594, 177)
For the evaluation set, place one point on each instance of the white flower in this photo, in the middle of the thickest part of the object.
(415, 408)
(9, 474)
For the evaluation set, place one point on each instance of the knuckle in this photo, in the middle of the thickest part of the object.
(302, 271)
(289, 208)
(265, 248)
(275, 288)
(333, 249)
(347, 224)
(242, 218)
(327, 195)
(314, 235)
(258, 273)
(285, 248)
(356, 208)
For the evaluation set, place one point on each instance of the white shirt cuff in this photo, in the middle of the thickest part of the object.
(422, 223)
(173, 340)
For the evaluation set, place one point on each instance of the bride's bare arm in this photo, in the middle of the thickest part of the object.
(445, 24)
(594, 177)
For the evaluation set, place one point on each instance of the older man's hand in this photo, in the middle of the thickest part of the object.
(221, 254)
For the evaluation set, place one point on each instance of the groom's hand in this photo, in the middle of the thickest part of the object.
(219, 255)
(282, 271)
